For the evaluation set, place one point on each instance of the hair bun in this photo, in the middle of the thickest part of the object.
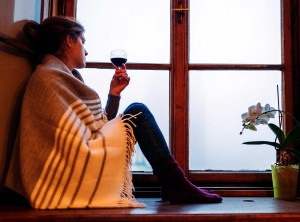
(31, 32)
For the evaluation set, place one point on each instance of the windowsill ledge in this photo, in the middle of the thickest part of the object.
(231, 209)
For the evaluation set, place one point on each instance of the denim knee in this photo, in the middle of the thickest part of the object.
(135, 108)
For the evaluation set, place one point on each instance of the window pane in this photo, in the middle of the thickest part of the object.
(231, 31)
(142, 28)
(143, 88)
(29, 9)
(217, 100)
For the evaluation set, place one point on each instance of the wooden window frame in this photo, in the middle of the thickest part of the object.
(58, 7)
(236, 183)
(256, 183)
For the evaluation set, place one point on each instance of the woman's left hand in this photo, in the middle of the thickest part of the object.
(119, 81)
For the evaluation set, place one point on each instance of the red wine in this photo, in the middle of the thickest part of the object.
(118, 61)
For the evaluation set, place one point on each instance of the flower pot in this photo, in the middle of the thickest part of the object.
(285, 180)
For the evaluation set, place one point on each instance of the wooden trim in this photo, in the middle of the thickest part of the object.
(146, 192)
(234, 67)
(295, 18)
(179, 85)
(157, 66)
(67, 7)
(70, 9)
(58, 7)
(232, 177)
(15, 43)
(46, 9)
(223, 178)
(295, 31)
(151, 66)
(287, 62)
(235, 184)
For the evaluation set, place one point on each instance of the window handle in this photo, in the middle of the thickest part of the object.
(180, 9)
(180, 12)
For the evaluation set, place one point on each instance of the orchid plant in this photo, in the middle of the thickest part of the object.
(284, 144)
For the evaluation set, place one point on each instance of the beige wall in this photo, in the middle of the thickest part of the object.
(14, 71)
(15, 68)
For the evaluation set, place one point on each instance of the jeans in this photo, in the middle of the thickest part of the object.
(147, 133)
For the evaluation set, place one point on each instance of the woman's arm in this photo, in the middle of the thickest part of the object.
(112, 106)
(118, 83)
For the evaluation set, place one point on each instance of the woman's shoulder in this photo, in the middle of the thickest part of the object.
(50, 71)
(53, 77)
(51, 63)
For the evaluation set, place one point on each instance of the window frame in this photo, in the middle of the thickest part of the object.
(235, 183)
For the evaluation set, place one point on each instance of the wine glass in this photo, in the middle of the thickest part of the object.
(118, 56)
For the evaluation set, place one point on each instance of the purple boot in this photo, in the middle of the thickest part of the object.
(176, 188)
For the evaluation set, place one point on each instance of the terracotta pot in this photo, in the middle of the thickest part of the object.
(285, 180)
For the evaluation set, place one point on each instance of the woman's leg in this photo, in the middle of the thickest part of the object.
(147, 133)
(175, 186)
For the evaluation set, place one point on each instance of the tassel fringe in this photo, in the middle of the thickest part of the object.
(127, 198)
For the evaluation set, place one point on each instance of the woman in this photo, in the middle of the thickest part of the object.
(72, 154)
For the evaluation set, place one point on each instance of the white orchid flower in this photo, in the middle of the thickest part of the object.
(257, 115)
(252, 115)
(270, 111)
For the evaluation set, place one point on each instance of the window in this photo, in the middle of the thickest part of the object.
(33, 13)
(207, 64)
(231, 32)
(115, 28)
(15, 12)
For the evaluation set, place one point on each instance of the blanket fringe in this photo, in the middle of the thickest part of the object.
(127, 198)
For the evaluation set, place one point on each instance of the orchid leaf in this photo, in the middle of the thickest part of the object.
(293, 137)
(278, 132)
(274, 144)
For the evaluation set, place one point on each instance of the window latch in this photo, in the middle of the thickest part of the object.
(180, 12)
(180, 9)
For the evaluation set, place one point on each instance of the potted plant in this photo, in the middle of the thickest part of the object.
(284, 172)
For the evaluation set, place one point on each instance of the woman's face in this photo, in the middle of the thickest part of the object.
(78, 53)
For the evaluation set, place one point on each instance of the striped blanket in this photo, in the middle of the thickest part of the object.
(67, 155)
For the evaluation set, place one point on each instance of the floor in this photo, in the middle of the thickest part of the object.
(231, 209)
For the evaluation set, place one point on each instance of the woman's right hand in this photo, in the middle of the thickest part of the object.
(120, 81)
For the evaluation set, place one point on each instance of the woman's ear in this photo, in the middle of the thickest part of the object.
(69, 41)
(65, 46)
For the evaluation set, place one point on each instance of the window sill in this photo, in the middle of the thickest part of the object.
(231, 209)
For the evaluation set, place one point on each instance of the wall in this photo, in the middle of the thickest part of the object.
(14, 71)
(15, 68)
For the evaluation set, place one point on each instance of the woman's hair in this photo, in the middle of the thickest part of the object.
(48, 37)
